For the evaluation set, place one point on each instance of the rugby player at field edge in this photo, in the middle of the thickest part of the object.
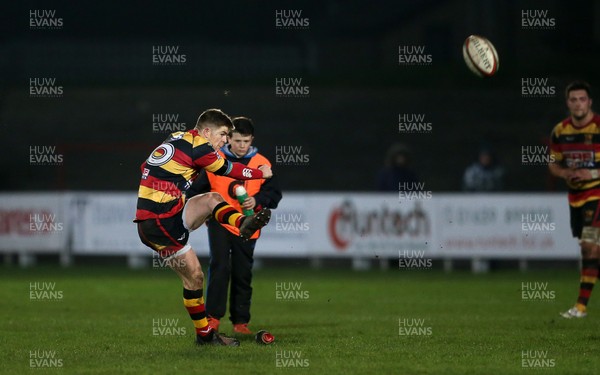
(165, 217)
(575, 157)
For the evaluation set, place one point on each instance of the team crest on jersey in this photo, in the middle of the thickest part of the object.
(588, 139)
(161, 155)
(588, 215)
(146, 173)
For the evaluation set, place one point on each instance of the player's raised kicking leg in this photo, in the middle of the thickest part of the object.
(201, 207)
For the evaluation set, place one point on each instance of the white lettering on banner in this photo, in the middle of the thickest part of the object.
(470, 216)
(495, 226)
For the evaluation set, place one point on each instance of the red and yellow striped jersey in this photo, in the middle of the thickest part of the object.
(578, 147)
(172, 167)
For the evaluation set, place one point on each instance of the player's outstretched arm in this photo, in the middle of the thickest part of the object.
(241, 172)
(205, 157)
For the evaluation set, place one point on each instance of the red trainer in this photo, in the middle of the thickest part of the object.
(242, 328)
(213, 323)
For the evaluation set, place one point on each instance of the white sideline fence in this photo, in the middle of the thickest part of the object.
(316, 225)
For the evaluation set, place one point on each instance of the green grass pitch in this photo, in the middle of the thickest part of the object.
(335, 322)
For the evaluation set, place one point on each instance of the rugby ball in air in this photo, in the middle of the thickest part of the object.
(480, 56)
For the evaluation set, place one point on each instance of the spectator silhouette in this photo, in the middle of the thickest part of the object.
(485, 174)
(396, 170)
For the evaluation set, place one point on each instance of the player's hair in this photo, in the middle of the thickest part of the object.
(213, 118)
(243, 126)
(578, 85)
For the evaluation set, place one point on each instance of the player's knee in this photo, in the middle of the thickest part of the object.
(215, 198)
(207, 199)
(212, 200)
(590, 235)
(590, 239)
(198, 278)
